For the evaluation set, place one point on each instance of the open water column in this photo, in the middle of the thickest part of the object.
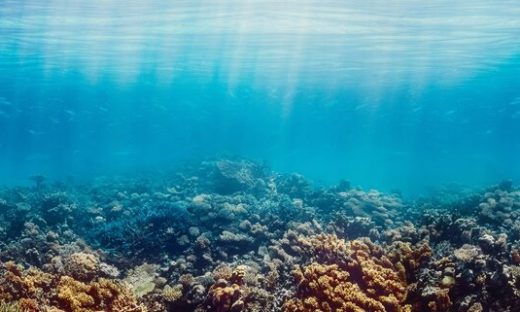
(259, 155)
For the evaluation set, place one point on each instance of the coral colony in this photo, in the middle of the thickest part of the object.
(231, 236)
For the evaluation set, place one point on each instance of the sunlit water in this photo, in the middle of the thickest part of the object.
(388, 94)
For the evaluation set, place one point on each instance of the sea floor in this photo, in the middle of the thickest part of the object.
(231, 235)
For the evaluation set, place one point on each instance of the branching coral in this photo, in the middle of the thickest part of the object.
(16, 283)
(329, 288)
(408, 258)
(34, 290)
(225, 294)
(81, 265)
(10, 307)
(74, 295)
(103, 295)
(353, 275)
(237, 290)
(325, 248)
(225, 297)
(172, 294)
(235, 176)
(225, 236)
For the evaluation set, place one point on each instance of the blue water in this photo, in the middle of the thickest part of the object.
(392, 95)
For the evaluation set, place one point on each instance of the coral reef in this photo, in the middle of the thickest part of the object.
(354, 275)
(230, 235)
(329, 288)
(34, 290)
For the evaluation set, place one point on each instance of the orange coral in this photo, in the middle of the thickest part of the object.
(408, 258)
(114, 296)
(73, 294)
(224, 296)
(353, 275)
(35, 290)
(227, 292)
(377, 272)
(234, 293)
(325, 248)
(16, 283)
(329, 288)
(103, 295)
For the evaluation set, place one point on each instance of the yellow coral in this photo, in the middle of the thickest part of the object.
(172, 294)
(73, 294)
(238, 275)
(10, 307)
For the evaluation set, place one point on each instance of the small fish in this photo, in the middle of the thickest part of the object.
(450, 112)
(161, 107)
(69, 112)
(123, 153)
(4, 114)
(515, 101)
(35, 132)
(5, 102)
(361, 106)
(38, 157)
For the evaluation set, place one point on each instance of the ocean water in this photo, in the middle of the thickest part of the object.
(148, 151)
(401, 95)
